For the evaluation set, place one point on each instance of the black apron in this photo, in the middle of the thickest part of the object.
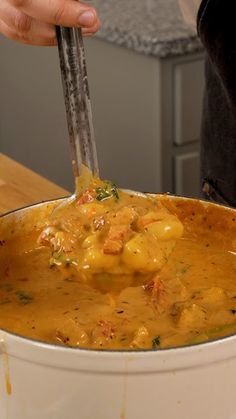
(217, 30)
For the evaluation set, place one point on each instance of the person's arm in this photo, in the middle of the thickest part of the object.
(33, 21)
(189, 9)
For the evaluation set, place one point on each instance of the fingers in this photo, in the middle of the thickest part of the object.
(69, 13)
(24, 27)
(30, 37)
(92, 30)
(17, 25)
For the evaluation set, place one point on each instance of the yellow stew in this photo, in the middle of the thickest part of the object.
(108, 236)
(113, 270)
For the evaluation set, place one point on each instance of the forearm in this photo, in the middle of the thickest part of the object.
(189, 9)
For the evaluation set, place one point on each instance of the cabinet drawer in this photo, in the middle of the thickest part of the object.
(187, 174)
(188, 95)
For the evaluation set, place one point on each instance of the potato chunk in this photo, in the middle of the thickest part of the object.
(96, 261)
(71, 333)
(141, 338)
(214, 296)
(192, 317)
(169, 229)
(143, 254)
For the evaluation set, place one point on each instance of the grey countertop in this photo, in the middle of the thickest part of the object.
(151, 27)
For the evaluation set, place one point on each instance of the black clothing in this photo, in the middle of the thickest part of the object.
(217, 30)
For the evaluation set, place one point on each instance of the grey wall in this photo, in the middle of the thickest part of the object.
(125, 99)
(32, 118)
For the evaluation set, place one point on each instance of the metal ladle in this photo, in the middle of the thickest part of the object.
(77, 99)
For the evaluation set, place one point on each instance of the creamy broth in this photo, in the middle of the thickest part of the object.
(188, 299)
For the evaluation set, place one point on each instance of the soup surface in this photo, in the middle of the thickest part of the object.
(119, 271)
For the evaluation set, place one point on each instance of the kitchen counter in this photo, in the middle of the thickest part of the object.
(151, 27)
(20, 186)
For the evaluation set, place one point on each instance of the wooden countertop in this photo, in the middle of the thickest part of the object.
(20, 186)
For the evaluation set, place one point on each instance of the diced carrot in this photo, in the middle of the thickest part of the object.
(87, 197)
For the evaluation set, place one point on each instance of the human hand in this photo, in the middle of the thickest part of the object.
(33, 21)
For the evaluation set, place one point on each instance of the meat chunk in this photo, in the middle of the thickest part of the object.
(117, 236)
(120, 230)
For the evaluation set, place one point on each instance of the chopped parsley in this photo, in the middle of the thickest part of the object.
(59, 259)
(109, 190)
(156, 342)
(23, 297)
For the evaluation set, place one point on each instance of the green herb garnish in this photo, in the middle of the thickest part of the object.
(108, 191)
(102, 194)
(156, 342)
(59, 259)
(23, 297)
(114, 190)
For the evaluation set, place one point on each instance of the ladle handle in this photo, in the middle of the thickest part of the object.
(77, 99)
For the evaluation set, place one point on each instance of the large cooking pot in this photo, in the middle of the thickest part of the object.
(43, 381)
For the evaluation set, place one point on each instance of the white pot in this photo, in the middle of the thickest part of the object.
(53, 382)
